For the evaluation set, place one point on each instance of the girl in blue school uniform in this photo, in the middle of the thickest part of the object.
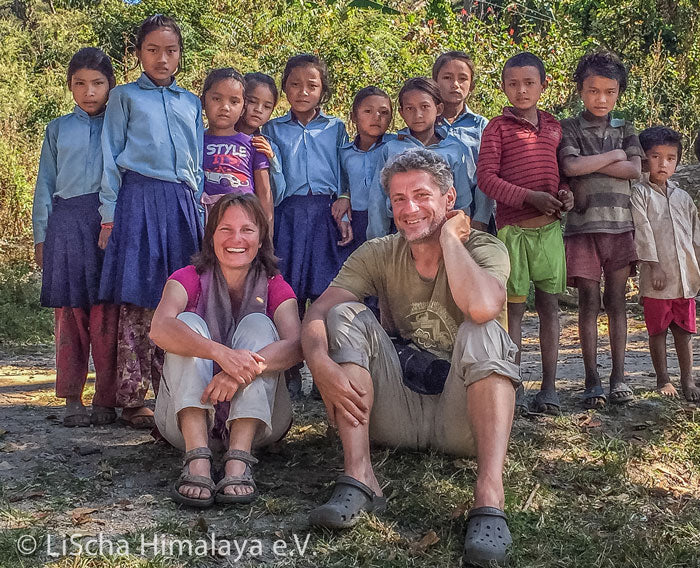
(420, 104)
(371, 114)
(306, 234)
(152, 146)
(67, 230)
(453, 71)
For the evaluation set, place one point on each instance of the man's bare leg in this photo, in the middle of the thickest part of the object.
(490, 404)
(355, 439)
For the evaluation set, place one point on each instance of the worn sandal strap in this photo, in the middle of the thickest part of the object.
(198, 480)
(240, 455)
(196, 454)
(236, 480)
(487, 512)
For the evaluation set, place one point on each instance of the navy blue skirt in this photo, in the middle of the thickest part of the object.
(306, 238)
(72, 259)
(156, 232)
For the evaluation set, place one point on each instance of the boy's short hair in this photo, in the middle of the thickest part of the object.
(448, 56)
(94, 59)
(661, 135)
(603, 64)
(525, 59)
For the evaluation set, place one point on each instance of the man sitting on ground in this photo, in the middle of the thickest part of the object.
(441, 287)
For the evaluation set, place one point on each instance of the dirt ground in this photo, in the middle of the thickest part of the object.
(116, 481)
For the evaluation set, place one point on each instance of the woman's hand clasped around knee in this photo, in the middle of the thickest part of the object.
(239, 368)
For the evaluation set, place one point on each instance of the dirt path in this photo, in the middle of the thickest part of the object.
(116, 481)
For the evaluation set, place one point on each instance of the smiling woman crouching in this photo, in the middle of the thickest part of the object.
(230, 327)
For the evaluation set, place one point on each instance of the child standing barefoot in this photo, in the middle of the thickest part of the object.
(152, 145)
(66, 232)
(667, 235)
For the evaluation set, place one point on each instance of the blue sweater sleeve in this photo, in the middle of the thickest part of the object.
(113, 144)
(45, 183)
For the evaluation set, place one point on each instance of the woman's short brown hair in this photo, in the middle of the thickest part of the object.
(265, 259)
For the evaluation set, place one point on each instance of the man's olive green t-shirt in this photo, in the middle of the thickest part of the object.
(415, 308)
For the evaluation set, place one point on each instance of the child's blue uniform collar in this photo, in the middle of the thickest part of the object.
(440, 131)
(289, 117)
(145, 82)
(351, 143)
(81, 114)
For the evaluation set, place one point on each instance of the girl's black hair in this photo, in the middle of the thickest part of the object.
(253, 79)
(421, 84)
(94, 59)
(661, 136)
(309, 60)
(604, 64)
(697, 147)
(216, 75)
(450, 56)
(156, 22)
(370, 91)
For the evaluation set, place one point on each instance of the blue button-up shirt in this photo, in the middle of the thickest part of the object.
(70, 164)
(467, 128)
(357, 169)
(451, 149)
(309, 154)
(155, 131)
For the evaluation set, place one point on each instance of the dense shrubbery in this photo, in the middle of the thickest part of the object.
(657, 39)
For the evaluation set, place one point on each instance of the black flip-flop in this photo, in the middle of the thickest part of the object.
(621, 394)
(546, 402)
(594, 397)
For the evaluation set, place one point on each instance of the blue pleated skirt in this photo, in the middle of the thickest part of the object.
(72, 259)
(156, 232)
(305, 240)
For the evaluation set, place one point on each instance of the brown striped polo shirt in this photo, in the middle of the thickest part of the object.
(601, 202)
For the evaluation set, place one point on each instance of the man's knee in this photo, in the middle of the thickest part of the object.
(348, 314)
(484, 349)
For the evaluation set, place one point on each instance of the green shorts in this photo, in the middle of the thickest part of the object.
(536, 255)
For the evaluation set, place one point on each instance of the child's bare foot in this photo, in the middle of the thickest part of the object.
(667, 389)
(691, 391)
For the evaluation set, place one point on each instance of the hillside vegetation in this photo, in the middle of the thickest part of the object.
(363, 43)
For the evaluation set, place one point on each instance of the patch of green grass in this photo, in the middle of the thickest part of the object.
(22, 319)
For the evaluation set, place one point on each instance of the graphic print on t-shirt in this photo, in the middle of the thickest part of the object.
(434, 329)
(227, 168)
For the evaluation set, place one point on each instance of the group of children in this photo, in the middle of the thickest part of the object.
(122, 185)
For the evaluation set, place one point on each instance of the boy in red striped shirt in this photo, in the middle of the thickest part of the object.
(518, 168)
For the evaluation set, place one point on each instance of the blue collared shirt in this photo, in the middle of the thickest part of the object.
(70, 164)
(308, 154)
(357, 169)
(155, 131)
(451, 149)
(468, 128)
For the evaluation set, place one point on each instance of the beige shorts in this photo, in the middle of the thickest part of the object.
(401, 417)
(185, 378)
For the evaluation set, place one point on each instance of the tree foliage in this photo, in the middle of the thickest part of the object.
(363, 41)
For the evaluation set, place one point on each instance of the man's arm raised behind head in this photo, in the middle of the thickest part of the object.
(478, 293)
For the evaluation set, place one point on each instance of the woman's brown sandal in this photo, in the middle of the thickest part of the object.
(245, 479)
(197, 480)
